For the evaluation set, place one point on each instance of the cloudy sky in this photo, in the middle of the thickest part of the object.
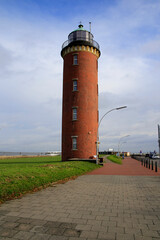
(31, 35)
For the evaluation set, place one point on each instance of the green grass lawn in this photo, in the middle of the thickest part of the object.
(102, 155)
(115, 159)
(21, 175)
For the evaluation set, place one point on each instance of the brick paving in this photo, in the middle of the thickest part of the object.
(130, 167)
(94, 206)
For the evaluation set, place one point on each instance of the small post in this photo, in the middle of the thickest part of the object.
(156, 170)
(152, 165)
(146, 163)
(90, 27)
(142, 162)
(149, 165)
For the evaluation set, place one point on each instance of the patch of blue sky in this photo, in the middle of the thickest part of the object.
(138, 35)
(60, 9)
(146, 32)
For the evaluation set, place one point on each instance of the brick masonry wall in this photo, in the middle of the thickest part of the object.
(86, 101)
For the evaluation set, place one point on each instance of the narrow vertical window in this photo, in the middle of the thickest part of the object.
(75, 59)
(75, 88)
(74, 112)
(74, 143)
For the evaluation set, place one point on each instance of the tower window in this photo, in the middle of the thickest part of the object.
(75, 88)
(75, 59)
(74, 143)
(74, 112)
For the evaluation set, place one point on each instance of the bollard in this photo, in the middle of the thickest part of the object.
(152, 165)
(149, 165)
(156, 167)
(146, 163)
(142, 162)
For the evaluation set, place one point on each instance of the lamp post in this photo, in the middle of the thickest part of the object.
(120, 142)
(97, 143)
(159, 137)
(120, 146)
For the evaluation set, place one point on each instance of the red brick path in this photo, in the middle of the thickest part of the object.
(130, 167)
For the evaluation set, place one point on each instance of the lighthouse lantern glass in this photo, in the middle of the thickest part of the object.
(80, 36)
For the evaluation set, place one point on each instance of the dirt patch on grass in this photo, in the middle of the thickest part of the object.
(48, 165)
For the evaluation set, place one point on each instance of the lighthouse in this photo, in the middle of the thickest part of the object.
(80, 95)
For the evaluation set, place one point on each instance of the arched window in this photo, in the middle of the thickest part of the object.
(75, 88)
(75, 59)
(74, 113)
(74, 143)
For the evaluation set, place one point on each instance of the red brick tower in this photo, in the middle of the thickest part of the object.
(80, 95)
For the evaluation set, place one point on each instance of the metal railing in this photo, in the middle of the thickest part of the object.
(147, 162)
(77, 39)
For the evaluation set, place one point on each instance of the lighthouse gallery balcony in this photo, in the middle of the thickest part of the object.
(80, 37)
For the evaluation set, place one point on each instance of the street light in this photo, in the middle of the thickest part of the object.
(120, 145)
(120, 141)
(97, 143)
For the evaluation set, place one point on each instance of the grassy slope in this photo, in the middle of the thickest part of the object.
(115, 159)
(102, 155)
(20, 175)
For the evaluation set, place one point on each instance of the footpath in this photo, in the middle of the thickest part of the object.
(114, 202)
(130, 167)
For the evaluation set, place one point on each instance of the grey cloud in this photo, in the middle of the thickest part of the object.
(5, 58)
(139, 120)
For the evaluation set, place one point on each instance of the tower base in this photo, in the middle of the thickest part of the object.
(82, 159)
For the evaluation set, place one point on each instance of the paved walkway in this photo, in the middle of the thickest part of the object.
(130, 167)
(111, 207)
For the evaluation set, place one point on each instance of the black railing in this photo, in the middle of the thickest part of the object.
(78, 39)
(147, 162)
